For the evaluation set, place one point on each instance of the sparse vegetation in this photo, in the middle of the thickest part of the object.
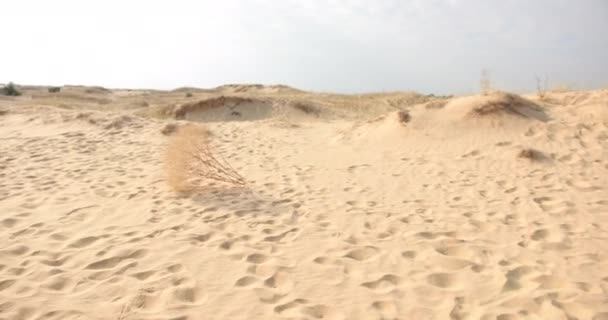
(188, 95)
(307, 108)
(10, 90)
(190, 161)
(436, 104)
(501, 103)
(531, 154)
(54, 89)
(541, 87)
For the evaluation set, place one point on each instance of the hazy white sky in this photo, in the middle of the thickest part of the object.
(437, 46)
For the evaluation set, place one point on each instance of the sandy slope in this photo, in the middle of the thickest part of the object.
(436, 218)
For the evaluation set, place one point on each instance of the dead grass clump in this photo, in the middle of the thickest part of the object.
(307, 108)
(169, 129)
(508, 103)
(531, 154)
(404, 116)
(190, 161)
(118, 123)
(97, 89)
(436, 104)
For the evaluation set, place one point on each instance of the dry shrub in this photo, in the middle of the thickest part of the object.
(10, 90)
(404, 116)
(531, 154)
(307, 108)
(190, 161)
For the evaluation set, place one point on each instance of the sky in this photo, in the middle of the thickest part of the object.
(347, 46)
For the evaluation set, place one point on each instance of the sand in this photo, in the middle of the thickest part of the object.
(353, 211)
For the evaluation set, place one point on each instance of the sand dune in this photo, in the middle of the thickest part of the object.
(386, 206)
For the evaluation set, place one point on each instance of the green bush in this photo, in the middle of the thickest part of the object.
(54, 89)
(10, 90)
(188, 95)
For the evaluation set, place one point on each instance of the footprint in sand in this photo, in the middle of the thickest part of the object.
(245, 281)
(362, 254)
(386, 283)
(280, 281)
(387, 309)
(442, 280)
(83, 242)
(257, 258)
(112, 262)
(321, 311)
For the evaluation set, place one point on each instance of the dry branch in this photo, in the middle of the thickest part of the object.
(190, 161)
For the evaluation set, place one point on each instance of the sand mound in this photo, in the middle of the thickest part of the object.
(499, 104)
(234, 108)
(87, 89)
(224, 109)
(499, 115)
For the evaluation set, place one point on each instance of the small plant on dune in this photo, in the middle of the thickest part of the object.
(10, 90)
(404, 116)
(54, 89)
(541, 87)
(188, 95)
(191, 161)
(485, 83)
(531, 154)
